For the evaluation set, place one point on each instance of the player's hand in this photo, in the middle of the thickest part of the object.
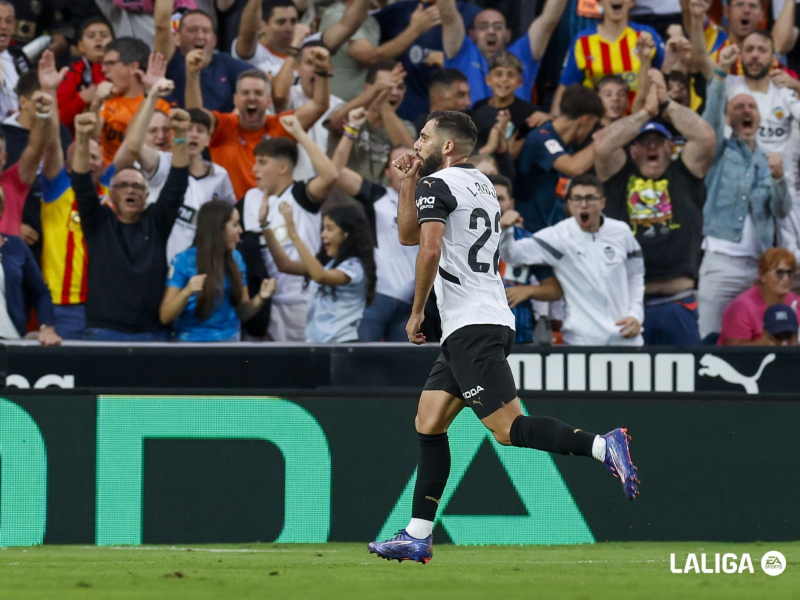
(510, 218)
(728, 56)
(288, 216)
(179, 122)
(412, 328)
(267, 289)
(357, 117)
(775, 162)
(292, 125)
(49, 77)
(629, 327)
(263, 211)
(518, 294)
(85, 125)
(196, 61)
(196, 284)
(49, 337)
(538, 119)
(406, 166)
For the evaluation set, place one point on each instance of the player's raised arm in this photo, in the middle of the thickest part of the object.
(407, 222)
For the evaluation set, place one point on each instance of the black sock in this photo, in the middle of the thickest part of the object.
(550, 435)
(432, 473)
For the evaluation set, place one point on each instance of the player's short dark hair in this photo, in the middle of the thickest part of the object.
(195, 11)
(588, 179)
(761, 33)
(254, 74)
(446, 78)
(269, 6)
(579, 100)
(611, 79)
(385, 64)
(279, 147)
(95, 20)
(131, 50)
(28, 84)
(457, 126)
(502, 180)
(508, 60)
(199, 117)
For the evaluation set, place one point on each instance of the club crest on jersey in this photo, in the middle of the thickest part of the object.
(778, 112)
(609, 252)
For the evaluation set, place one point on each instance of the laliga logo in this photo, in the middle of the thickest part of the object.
(773, 563)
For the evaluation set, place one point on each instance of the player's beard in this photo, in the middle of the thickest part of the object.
(431, 164)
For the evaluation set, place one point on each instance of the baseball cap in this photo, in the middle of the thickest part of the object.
(780, 318)
(652, 126)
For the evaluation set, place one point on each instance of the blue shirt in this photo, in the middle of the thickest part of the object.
(223, 323)
(524, 275)
(217, 80)
(393, 20)
(24, 285)
(540, 188)
(334, 313)
(473, 64)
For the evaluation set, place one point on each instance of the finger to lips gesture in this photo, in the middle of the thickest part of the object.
(406, 166)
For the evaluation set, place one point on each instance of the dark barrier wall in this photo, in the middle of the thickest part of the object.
(401, 370)
(192, 469)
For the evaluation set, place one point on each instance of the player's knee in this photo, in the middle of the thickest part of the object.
(503, 436)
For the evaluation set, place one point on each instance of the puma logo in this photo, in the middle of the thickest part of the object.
(432, 498)
(478, 402)
(576, 431)
(713, 366)
(428, 183)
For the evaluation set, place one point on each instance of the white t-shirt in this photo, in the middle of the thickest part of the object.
(319, 132)
(747, 247)
(9, 101)
(469, 289)
(395, 264)
(216, 185)
(602, 275)
(307, 220)
(778, 109)
(262, 58)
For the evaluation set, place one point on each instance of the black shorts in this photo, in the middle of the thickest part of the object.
(473, 367)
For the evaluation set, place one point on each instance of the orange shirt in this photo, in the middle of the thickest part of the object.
(232, 147)
(116, 113)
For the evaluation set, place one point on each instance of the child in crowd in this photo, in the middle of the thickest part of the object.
(342, 274)
(205, 294)
(614, 93)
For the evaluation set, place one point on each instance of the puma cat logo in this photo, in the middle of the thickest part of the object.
(713, 366)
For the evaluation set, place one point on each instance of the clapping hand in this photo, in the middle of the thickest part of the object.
(288, 216)
(267, 289)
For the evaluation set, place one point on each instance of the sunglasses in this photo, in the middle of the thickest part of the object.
(781, 273)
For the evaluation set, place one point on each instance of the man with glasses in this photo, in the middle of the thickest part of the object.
(488, 37)
(127, 243)
(662, 200)
(747, 193)
(598, 263)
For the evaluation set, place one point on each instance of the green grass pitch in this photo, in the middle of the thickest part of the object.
(347, 571)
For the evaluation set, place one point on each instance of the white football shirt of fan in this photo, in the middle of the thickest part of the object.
(395, 264)
(291, 289)
(262, 59)
(318, 132)
(778, 108)
(469, 290)
(216, 185)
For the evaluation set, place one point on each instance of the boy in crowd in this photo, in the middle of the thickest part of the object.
(123, 63)
(275, 160)
(614, 94)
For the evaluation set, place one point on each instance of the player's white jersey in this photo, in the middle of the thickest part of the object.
(779, 110)
(469, 290)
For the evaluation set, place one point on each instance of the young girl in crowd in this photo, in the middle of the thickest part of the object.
(205, 295)
(342, 274)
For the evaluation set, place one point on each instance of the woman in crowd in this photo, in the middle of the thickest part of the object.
(743, 319)
(342, 274)
(21, 285)
(205, 295)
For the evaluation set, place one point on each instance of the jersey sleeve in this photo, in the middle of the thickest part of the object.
(178, 275)
(542, 148)
(570, 73)
(352, 268)
(299, 193)
(434, 200)
(224, 190)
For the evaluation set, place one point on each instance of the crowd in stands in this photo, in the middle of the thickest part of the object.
(221, 170)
